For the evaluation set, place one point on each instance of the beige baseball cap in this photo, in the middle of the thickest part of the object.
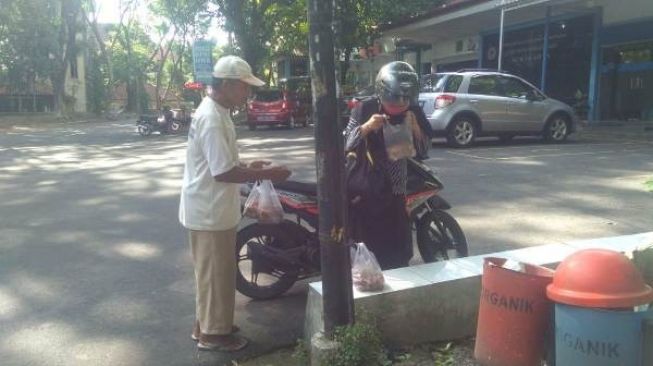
(234, 67)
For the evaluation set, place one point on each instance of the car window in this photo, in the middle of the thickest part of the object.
(268, 95)
(453, 83)
(515, 88)
(484, 85)
(432, 83)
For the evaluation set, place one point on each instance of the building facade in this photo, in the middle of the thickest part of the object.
(596, 55)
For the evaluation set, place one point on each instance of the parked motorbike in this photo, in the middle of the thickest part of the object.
(272, 257)
(165, 123)
(146, 124)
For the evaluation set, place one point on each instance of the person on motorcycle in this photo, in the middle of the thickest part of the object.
(210, 202)
(165, 120)
(382, 222)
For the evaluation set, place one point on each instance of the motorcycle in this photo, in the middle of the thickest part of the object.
(164, 123)
(272, 257)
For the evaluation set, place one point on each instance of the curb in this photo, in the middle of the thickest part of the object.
(440, 301)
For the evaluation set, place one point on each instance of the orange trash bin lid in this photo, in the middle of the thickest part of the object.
(599, 278)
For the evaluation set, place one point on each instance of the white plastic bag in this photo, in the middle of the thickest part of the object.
(270, 210)
(251, 204)
(399, 140)
(366, 273)
(263, 204)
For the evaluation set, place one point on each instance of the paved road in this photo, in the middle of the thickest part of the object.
(94, 269)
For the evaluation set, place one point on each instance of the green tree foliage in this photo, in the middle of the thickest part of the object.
(131, 58)
(136, 53)
(38, 39)
(246, 20)
(179, 22)
(358, 21)
(264, 30)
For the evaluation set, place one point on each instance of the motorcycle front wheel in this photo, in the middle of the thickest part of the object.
(440, 237)
(144, 130)
(257, 277)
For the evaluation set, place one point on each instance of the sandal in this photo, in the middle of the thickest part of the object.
(223, 343)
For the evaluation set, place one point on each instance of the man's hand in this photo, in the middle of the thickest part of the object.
(258, 164)
(277, 174)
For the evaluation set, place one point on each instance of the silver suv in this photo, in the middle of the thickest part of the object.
(470, 103)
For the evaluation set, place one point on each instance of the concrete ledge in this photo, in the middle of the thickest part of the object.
(439, 301)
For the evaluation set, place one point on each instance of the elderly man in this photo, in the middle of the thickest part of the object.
(210, 203)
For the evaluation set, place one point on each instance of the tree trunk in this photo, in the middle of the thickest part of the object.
(336, 269)
(67, 33)
(159, 73)
(177, 66)
(103, 49)
(58, 91)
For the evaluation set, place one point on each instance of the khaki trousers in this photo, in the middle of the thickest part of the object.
(214, 257)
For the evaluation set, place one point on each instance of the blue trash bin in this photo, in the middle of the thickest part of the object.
(595, 337)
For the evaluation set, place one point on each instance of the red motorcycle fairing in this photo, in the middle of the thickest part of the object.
(298, 202)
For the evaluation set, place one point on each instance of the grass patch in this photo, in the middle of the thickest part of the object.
(360, 344)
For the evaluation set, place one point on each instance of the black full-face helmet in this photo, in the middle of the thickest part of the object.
(396, 83)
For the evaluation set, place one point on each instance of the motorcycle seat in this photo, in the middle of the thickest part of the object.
(309, 189)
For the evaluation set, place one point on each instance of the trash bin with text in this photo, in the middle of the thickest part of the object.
(602, 316)
(514, 314)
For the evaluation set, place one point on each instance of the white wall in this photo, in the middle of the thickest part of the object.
(447, 49)
(619, 11)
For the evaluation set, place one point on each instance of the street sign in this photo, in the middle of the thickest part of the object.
(203, 61)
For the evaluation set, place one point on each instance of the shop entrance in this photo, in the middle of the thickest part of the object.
(627, 82)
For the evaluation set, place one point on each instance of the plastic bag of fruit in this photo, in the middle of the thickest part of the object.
(263, 204)
(366, 273)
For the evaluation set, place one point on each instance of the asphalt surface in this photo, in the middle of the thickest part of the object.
(95, 269)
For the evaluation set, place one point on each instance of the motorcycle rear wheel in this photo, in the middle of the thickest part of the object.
(174, 127)
(270, 282)
(440, 237)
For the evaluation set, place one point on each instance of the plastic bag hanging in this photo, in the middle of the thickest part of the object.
(366, 273)
(398, 140)
(269, 209)
(251, 204)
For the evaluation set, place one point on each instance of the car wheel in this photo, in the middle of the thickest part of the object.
(557, 129)
(291, 122)
(462, 132)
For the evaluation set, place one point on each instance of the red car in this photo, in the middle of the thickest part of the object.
(289, 106)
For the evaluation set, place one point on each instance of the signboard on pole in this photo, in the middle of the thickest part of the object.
(203, 61)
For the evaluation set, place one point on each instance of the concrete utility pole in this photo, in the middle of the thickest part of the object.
(329, 159)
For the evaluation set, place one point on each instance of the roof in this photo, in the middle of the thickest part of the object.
(445, 8)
